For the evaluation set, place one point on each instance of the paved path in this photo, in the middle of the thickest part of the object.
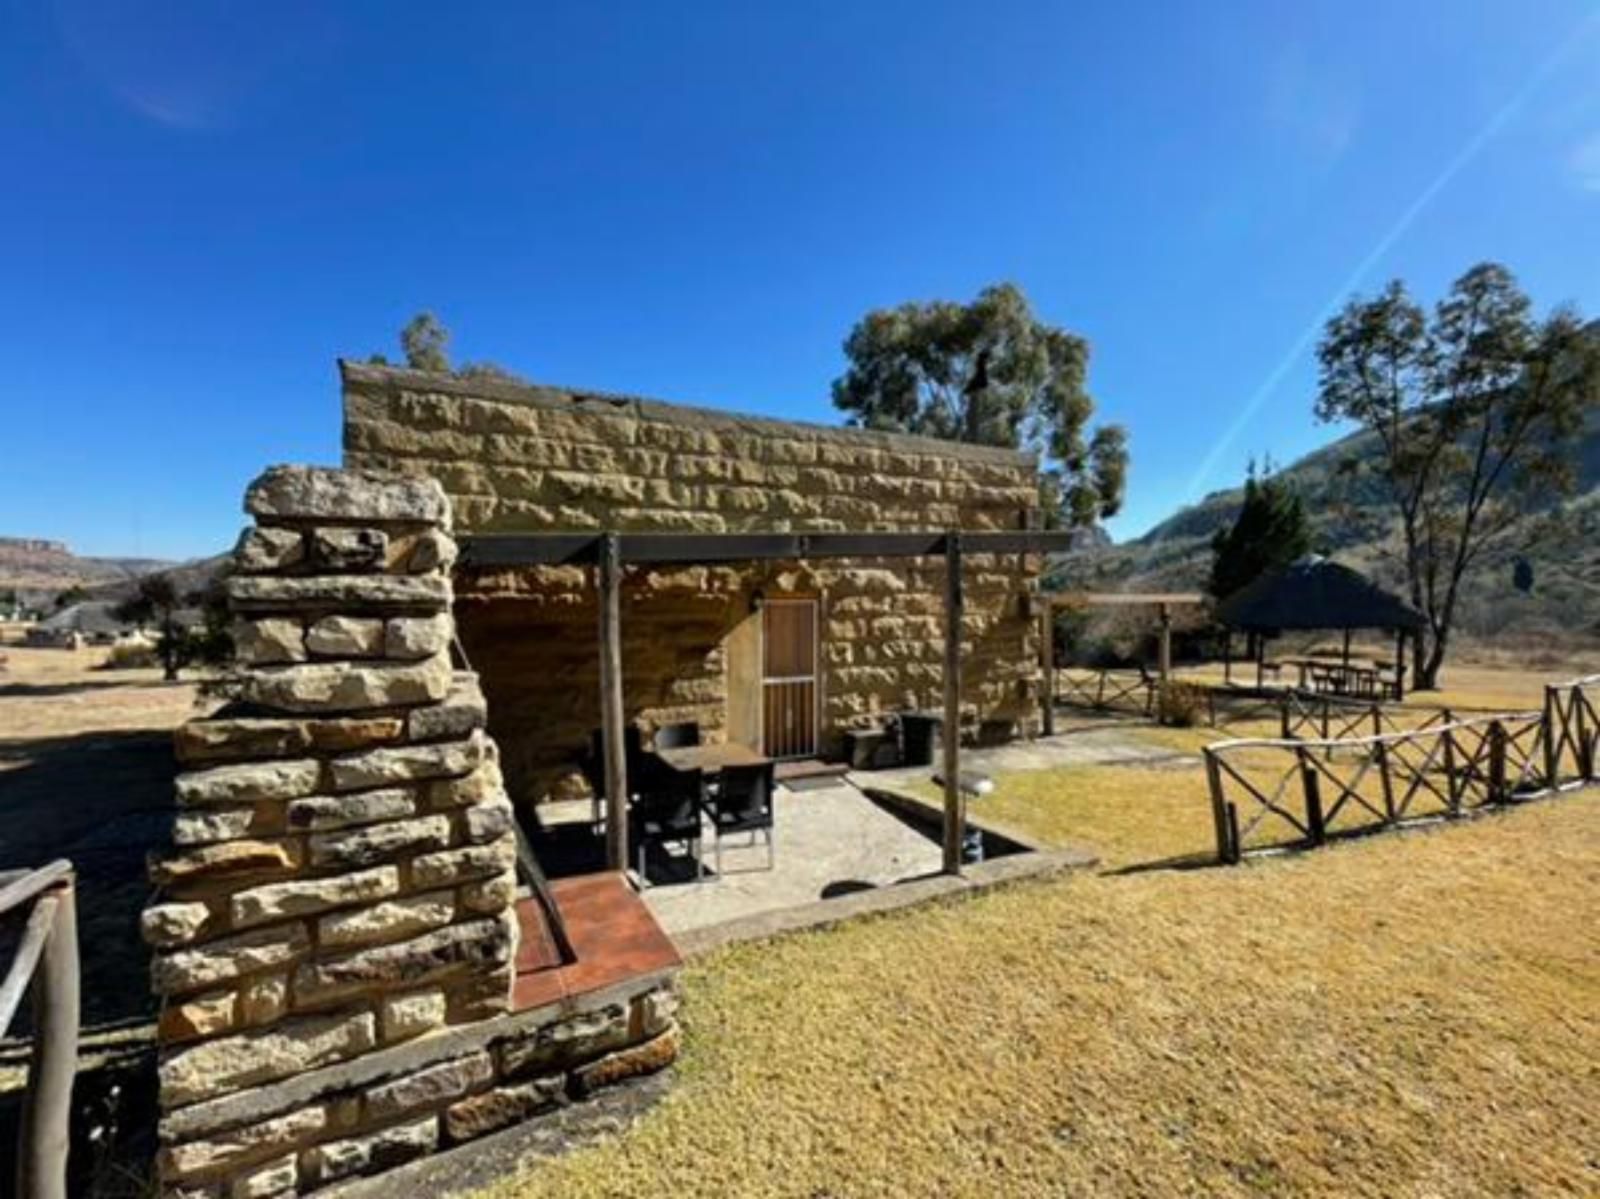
(1106, 745)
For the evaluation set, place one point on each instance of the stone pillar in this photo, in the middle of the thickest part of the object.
(342, 871)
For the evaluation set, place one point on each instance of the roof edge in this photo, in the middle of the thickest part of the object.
(370, 375)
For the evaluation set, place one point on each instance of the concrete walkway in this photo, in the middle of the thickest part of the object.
(1098, 746)
(829, 841)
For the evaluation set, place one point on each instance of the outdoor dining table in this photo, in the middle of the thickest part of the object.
(711, 759)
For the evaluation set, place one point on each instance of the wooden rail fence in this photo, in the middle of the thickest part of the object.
(1296, 713)
(1572, 731)
(1107, 690)
(44, 964)
(1292, 790)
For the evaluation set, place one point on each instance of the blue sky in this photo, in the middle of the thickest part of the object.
(205, 204)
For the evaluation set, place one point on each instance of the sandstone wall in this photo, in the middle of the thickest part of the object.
(524, 459)
(334, 934)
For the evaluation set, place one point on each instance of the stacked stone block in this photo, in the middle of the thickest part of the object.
(342, 872)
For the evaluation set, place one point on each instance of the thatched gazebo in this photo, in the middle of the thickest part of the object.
(1314, 593)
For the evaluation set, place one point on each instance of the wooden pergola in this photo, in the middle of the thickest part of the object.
(1162, 601)
(612, 552)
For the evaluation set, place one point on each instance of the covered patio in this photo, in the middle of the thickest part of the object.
(611, 554)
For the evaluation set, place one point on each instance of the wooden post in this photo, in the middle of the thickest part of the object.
(1164, 662)
(1498, 793)
(1227, 655)
(1552, 744)
(1048, 641)
(1381, 751)
(1313, 790)
(1400, 665)
(1235, 849)
(1261, 659)
(611, 711)
(1452, 794)
(954, 800)
(1346, 662)
(47, 1105)
(1585, 739)
(1219, 807)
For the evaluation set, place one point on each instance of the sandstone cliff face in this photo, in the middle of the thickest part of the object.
(524, 459)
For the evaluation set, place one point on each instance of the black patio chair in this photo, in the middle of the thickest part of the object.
(668, 813)
(639, 762)
(742, 803)
(678, 736)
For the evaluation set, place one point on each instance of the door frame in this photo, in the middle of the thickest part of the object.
(815, 678)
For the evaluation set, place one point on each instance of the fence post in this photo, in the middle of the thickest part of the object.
(1048, 653)
(1452, 794)
(47, 1105)
(1313, 790)
(1381, 750)
(1552, 745)
(1283, 715)
(1235, 851)
(1497, 763)
(1587, 741)
(1219, 815)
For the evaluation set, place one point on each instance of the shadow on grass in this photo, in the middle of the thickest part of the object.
(101, 800)
(76, 687)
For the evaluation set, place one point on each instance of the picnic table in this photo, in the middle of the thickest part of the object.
(1337, 677)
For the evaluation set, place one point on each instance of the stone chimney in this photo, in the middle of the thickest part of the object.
(342, 873)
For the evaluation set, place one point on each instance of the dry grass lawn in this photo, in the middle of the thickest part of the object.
(1415, 1014)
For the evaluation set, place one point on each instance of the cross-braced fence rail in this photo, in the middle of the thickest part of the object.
(44, 963)
(1106, 690)
(1572, 731)
(1296, 713)
(1279, 792)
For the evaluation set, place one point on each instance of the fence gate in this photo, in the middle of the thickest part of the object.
(789, 678)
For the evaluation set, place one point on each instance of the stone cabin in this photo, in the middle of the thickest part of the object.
(783, 656)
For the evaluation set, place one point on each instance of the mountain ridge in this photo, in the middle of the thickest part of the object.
(1353, 521)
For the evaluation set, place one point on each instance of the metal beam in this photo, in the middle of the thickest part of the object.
(662, 549)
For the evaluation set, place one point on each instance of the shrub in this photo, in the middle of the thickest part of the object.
(132, 655)
(1180, 705)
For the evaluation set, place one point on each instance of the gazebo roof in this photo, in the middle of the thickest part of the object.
(1315, 593)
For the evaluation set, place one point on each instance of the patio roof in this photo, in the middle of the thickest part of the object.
(1316, 593)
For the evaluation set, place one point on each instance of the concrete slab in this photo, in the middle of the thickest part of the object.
(829, 842)
(1099, 746)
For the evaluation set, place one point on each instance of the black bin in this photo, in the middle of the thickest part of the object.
(919, 738)
(864, 748)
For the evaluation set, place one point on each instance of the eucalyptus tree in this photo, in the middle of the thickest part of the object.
(989, 372)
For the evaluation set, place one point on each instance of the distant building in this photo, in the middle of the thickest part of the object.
(93, 622)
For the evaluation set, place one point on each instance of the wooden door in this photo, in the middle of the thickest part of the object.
(789, 678)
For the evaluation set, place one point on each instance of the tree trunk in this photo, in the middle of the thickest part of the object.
(169, 652)
(1428, 664)
(1419, 661)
